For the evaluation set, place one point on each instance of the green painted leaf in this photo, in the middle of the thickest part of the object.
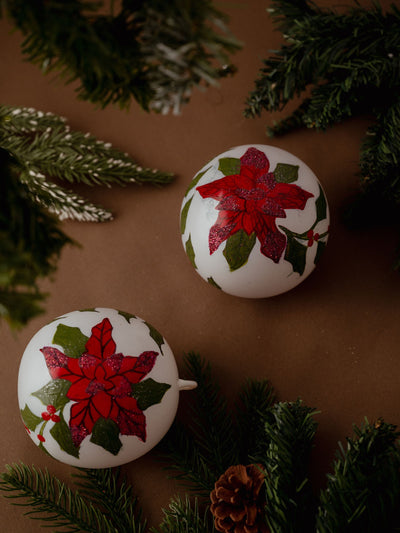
(71, 339)
(127, 316)
(62, 434)
(105, 433)
(196, 180)
(190, 251)
(238, 248)
(212, 282)
(285, 173)
(321, 205)
(229, 165)
(149, 392)
(31, 421)
(320, 250)
(184, 214)
(54, 393)
(295, 254)
(156, 336)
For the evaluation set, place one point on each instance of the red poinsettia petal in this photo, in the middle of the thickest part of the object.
(255, 159)
(78, 390)
(228, 222)
(289, 196)
(273, 245)
(131, 420)
(101, 343)
(101, 405)
(121, 387)
(78, 433)
(231, 203)
(55, 360)
(81, 416)
(218, 189)
(112, 365)
(271, 207)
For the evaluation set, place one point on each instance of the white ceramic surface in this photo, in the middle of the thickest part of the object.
(254, 221)
(98, 388)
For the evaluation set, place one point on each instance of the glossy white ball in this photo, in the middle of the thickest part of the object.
(254, 221)
(98, 388)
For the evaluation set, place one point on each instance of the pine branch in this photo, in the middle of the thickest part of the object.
(106, 489)
(183, 517)
(202, 449)
(31, 242)
(50, 500)
(211, 423)
(363, 492)
(154, 52)
(289, 503)
(253, 409)
(349, 64)
(46, 149)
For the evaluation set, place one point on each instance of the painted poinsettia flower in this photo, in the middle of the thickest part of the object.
(101, 384)
(251, 201)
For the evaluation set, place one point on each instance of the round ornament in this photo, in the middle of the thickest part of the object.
(98, 388)
(254, 221)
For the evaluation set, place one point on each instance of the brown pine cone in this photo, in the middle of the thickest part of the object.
(236, 501)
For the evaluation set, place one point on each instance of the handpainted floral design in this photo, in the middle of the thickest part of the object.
(101, 381)
(250, 201)
(106, 388)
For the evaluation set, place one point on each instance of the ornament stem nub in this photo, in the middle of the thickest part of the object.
(184, 384)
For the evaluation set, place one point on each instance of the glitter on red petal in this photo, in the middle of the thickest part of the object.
(255, 158)
(41, 438)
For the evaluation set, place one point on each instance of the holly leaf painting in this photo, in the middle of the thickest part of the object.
(127, 316)
(212, 282)
(320, 250)
(71, 339)
(184, 214)
(229, 165)
(105, 433)
(62, 434)
(238, 248)
(156, 336)
(295, 253)
(195, 180)
(54, 393)
(285, 173)
(321, 205)
(31, 421)
(190, 251)
(149, 392)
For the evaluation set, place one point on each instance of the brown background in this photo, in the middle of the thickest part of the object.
(332, 341)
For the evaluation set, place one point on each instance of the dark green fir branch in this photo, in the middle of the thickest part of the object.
(340, 65)
(290, 433)
(52, 501)
(363, 492)
(183, 516)
(154, 52)
(110, 492)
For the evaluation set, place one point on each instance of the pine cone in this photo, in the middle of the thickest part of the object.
(236, 501)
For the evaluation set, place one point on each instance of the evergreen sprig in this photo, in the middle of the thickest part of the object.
(340, 65)
(363, 492)
(290, 434)
(51, 500)
(31, 242)
(183, 516)
(48, 150)
(154, 52)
